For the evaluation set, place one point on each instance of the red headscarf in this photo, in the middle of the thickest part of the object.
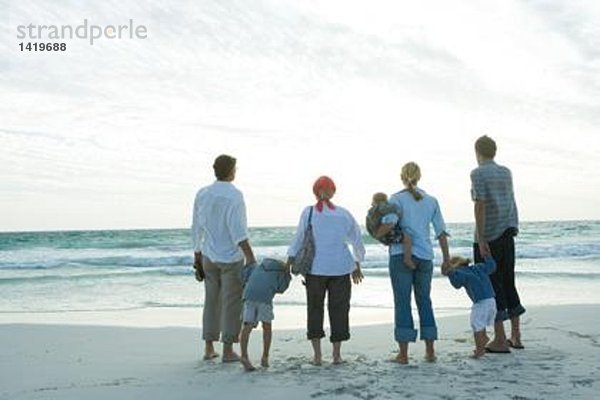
(324, 183)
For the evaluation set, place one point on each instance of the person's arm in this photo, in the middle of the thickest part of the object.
(197, 241)
(246, 272)
(406, 243)
(198, 266)
(358, 249)
(443, 241)
(248, 253)
(441, 234)
(484, 248)
(478, 195)
(238, 230)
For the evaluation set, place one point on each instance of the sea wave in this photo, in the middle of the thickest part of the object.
(96, 276)
(107, 262)
(583, 250)
(174, 272)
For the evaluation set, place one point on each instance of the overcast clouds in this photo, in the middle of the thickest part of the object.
(123, 133)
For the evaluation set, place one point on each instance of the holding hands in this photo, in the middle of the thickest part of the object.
(198, 267)
(357, 275)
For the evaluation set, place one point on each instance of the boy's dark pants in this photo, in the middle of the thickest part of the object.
(338, 289)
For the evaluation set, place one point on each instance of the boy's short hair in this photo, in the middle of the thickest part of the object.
(458, 261)
(379, 197)
(486, 146)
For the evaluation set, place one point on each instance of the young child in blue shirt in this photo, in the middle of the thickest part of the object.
(476, 281)
(261, 282)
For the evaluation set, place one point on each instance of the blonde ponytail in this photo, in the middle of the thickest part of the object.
(410, 175)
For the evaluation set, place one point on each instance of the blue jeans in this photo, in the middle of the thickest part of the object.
(403, 280)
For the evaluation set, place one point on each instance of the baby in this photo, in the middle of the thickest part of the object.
(261, 282)
(383, 224)
(476, 281)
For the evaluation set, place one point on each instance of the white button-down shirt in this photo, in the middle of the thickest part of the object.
(219, 222)
(333, 231)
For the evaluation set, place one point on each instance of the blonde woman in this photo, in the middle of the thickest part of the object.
(419, 212)
(333, 267)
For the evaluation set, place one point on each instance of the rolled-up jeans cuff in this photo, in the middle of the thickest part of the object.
(228, 339)
(429, 333)
(516, 311)
(501, 316)
(405, 335)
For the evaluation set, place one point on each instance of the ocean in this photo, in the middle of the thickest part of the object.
(73, 271)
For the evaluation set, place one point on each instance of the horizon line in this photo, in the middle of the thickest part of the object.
(249, 227)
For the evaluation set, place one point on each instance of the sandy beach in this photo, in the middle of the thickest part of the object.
(51, 361)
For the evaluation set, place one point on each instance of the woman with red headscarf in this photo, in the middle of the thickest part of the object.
(334, 228)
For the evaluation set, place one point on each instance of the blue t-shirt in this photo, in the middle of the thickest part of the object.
(417, 219)
(262, 281)
(475, 279)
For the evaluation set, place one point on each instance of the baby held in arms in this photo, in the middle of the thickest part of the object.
(383, 224)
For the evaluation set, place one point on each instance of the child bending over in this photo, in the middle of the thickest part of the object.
(476, 281)
(261, 282)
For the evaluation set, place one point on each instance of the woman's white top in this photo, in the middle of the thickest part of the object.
(334, 231)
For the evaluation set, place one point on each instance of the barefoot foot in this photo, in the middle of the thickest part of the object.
(337, 361)
(210, 356)
(478, 353)
(232, 357)
(430, 356)
(400, 359)
(264, 362)
(248, 367)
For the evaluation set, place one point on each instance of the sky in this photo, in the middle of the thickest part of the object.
(122, 133)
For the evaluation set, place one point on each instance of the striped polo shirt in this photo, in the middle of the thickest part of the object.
(492, 184)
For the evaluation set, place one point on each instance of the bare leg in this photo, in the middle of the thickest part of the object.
(402, 356)
(337, 355)
(228, 354)
(209, 350)
(429, 351)
(316, 344)
(244, 338)
(515, 331)
(267, 336)
(499, 341)
(481, 339)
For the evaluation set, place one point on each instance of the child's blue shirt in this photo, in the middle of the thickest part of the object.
(264, 280)
(475, 279)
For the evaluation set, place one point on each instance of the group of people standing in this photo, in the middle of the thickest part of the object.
(238, 291)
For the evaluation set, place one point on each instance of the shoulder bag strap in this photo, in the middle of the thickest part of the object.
(310, 218)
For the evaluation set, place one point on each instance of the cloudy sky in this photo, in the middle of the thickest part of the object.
(122, 133)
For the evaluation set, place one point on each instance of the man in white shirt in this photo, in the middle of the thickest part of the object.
(220, 237)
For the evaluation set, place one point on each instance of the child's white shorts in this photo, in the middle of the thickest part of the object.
(483, 314)
(255, 311)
